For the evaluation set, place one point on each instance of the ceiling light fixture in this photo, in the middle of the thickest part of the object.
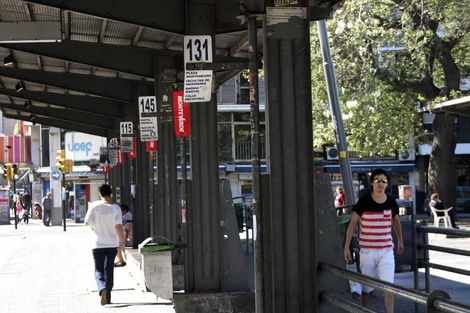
(19, 86)
(27, 104)
(32, 117)
(8, 60)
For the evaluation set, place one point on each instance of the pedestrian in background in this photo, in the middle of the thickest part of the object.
(47, 208)
(127, 225)
(105, 219)
(27, 200)
(19, 209)
(439, 205)
(377, 212)
(340, 200)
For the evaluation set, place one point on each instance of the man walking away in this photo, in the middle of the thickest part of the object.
(105, 219)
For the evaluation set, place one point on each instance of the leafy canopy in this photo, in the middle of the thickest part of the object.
(389, 56)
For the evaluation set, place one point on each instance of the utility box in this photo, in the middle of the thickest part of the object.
(157, 267)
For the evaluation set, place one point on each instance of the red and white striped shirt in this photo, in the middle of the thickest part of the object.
(376, 230)
(376, 222)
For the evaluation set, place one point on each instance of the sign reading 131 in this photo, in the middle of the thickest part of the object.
(197, 48)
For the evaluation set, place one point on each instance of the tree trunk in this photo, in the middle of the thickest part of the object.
(441, 171)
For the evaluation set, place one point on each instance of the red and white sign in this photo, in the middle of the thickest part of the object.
(133, 154)
(181, 115)
(151, 146)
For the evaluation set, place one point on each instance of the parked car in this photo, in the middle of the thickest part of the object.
(463, 199)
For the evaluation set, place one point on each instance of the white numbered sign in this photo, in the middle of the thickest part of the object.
(147, 105)
(148, 118)
(197, 48)
(126, 128)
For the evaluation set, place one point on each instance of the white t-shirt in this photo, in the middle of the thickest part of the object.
(103, 218)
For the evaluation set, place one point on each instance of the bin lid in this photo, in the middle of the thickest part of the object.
(344, 219)
(147, 246)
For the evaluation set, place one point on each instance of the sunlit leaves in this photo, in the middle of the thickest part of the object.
(382, 51)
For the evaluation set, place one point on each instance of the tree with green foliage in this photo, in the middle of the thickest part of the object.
(389, 57)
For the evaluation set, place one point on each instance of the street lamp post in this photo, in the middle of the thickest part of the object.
(15, 197)
(63, 201)
(15, 177)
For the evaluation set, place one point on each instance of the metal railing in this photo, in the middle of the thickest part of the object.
(427, 247)
(243, 150)
(436, 301)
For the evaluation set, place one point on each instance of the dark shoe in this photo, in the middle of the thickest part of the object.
(119, 264)
(103, 297)
(455, 227)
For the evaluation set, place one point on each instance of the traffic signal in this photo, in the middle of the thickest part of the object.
(7, 171)
(14, 171)
(60, 159)
(68, 166)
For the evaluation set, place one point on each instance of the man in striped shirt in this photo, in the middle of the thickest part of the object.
(377, 212)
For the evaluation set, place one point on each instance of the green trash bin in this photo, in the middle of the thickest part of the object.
(343, 222)
(147, 246)
(157, 267)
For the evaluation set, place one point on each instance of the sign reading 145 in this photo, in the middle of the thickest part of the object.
(148, 104)
(197, 48)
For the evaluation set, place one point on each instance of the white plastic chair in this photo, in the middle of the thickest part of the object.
(445, 217)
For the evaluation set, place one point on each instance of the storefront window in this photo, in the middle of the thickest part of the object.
(225, 142)
(243, 141)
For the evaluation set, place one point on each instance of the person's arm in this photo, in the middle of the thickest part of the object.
(398, 233)
(122, 240)
(349, 234)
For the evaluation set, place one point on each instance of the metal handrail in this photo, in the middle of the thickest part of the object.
(435, 300)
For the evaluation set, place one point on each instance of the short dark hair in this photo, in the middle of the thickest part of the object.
(124, 207)
(378, 172)
(105, 190)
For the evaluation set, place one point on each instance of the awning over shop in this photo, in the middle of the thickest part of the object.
(78, 171)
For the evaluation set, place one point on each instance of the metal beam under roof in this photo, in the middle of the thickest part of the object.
(113, 88)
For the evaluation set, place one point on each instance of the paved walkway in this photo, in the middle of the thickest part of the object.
(46, 270)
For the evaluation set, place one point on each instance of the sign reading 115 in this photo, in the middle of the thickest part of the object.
(198, 48)
(126, 128)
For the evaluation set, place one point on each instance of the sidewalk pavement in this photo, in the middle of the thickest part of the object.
(46, 270)
(49, 270)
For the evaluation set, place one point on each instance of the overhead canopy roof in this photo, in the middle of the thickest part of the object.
(459, 106)
(86, 81)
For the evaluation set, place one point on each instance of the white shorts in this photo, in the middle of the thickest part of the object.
(378, 263)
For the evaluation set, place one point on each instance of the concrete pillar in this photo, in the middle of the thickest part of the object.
(290, 274)
(55, 184)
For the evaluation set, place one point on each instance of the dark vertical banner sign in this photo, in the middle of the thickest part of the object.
(181, 115)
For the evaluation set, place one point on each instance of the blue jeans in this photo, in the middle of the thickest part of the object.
(104, 269)
(47, 216)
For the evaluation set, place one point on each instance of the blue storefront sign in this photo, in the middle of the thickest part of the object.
(367, 168)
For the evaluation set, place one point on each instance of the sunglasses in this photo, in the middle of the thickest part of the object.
(380, 180)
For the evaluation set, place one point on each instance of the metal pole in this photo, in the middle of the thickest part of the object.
(255, 163)
(63, 201)
(14, 203)
(335, 108)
